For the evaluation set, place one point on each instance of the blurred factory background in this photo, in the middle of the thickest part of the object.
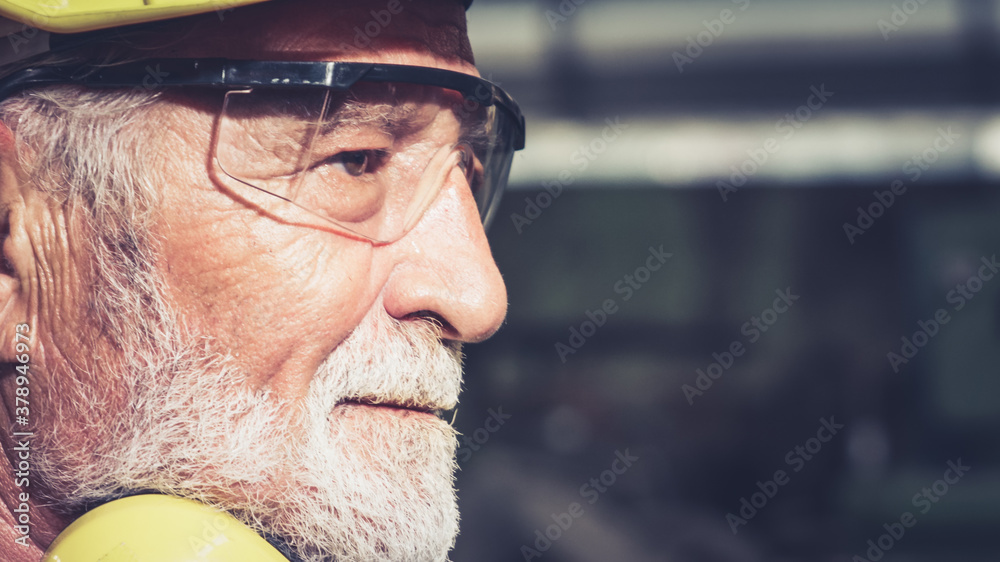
(824, 177)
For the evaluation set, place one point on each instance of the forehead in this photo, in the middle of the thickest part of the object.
(417, 32)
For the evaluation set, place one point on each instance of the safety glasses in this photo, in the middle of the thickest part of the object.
(359, 148)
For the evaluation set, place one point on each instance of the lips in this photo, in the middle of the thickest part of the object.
(402, 408)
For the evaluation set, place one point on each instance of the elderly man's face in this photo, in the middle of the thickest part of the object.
(295, 372)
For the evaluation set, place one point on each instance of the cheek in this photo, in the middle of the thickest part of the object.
(278, 298)
(275, 296)
(311, 299)
(278, 306)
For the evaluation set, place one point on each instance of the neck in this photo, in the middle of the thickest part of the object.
(27, 526)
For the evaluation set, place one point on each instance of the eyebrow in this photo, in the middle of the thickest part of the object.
(396, 120)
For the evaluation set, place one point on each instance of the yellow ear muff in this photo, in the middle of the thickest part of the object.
(155, 528)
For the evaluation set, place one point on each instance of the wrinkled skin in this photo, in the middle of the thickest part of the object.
(278, 298)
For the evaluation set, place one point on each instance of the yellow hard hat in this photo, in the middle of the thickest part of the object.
(34, 27)
(75, 16)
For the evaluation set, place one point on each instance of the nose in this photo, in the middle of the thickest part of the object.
(443, 269)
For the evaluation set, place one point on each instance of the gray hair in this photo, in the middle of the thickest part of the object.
(86, 149)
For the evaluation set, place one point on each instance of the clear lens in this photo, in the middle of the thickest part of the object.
(366, 162)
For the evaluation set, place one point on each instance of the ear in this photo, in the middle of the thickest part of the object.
(13, 247)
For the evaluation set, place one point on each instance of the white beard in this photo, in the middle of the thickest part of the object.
(332, 481)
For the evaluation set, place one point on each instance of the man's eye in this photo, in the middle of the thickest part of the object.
(355, 163)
